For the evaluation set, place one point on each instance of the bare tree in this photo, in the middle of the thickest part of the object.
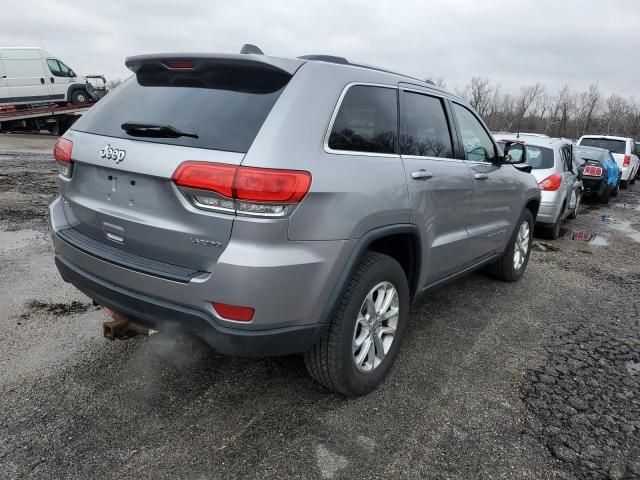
(587, 104)
(478, 93)
(526, 99)
(615, 113)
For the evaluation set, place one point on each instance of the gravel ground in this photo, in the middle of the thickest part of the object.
(537, 379)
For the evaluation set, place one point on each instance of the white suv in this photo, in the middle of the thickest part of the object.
(623, 150)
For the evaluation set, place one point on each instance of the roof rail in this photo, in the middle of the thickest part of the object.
(248, 48)
(326, 58)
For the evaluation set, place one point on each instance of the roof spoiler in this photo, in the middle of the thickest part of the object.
(194, 62)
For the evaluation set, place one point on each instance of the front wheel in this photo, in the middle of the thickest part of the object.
(514, 260)
(364, 335)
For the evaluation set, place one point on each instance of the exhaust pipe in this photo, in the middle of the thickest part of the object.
(121, 328)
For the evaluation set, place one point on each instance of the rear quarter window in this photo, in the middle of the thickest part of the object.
(367, 121)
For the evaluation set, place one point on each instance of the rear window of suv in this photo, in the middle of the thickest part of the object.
(225, 108)
(614, 146)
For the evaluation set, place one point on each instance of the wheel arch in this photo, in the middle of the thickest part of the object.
(400, 241)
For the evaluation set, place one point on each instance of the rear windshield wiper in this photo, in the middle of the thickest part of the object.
(157, 131)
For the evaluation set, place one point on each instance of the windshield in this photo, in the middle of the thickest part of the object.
(614, 146)
(226, 109)
(538, 157)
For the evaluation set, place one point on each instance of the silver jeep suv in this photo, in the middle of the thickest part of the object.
(276, 206)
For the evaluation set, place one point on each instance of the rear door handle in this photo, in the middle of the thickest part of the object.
(42, 81)
(53, 80)
(421, 175)
(480, 176)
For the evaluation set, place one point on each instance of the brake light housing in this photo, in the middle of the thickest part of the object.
(63, 153)
(627, 161)
(551, 183)
(234, 312)
(591, 171)
(244, 190)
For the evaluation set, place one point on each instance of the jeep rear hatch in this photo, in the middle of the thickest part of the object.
(127, 147)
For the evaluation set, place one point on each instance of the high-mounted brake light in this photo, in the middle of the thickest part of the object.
(249, 190)
(178, 64)
(627, 161)
(551, 183)
(591, 171)
(234, 312)
(62, 152)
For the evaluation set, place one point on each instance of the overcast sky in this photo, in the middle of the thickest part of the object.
(514, 43)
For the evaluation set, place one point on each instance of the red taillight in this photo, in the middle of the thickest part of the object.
(271, 186)
(591, 171)
(177, 64)
(627, 161)
(63, 149)
(215, 177)
(62, 152)
(259, 191)
(234, 312)
(551, 183)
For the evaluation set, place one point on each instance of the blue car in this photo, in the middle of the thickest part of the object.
(599, 172)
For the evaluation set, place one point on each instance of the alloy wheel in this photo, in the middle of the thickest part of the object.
(375, 327)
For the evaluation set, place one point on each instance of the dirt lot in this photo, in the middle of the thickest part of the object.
(538, 379)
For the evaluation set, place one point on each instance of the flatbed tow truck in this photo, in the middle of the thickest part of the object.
(34, 118)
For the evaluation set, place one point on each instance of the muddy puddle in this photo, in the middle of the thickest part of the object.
(57, 309)
(586, 236)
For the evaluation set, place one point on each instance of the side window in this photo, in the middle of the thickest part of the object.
(54, 67)
(424, 130)
(367, 121)
(478, 145)
(66, 71)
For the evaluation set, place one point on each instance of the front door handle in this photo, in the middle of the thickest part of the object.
(480, 176)
(42, 81)
(421, 175)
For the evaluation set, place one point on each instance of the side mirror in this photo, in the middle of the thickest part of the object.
(514, 152)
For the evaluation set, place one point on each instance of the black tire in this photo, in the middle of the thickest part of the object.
(604, 198)
(616, 189)
(624, 184)
(552, 232)
(574, 214)
(80, 97)
(330, 361)
(632, 180)
(504, 268)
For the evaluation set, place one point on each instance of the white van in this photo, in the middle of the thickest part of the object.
(33, 75)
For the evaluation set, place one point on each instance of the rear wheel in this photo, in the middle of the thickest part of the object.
(552, 232)
(80, 97)
(514, 261)
(616, 189)
(624, 184)
(574, 213)
(364, 335)
(604, 198)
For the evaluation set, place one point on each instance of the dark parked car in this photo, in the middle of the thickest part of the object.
(599, 171)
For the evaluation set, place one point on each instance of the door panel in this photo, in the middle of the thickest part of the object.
(495, 199)
(493, 210)
(439, 186)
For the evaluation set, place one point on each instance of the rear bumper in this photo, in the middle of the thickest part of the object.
(550, 209)
(594, 186)
(166, 316)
